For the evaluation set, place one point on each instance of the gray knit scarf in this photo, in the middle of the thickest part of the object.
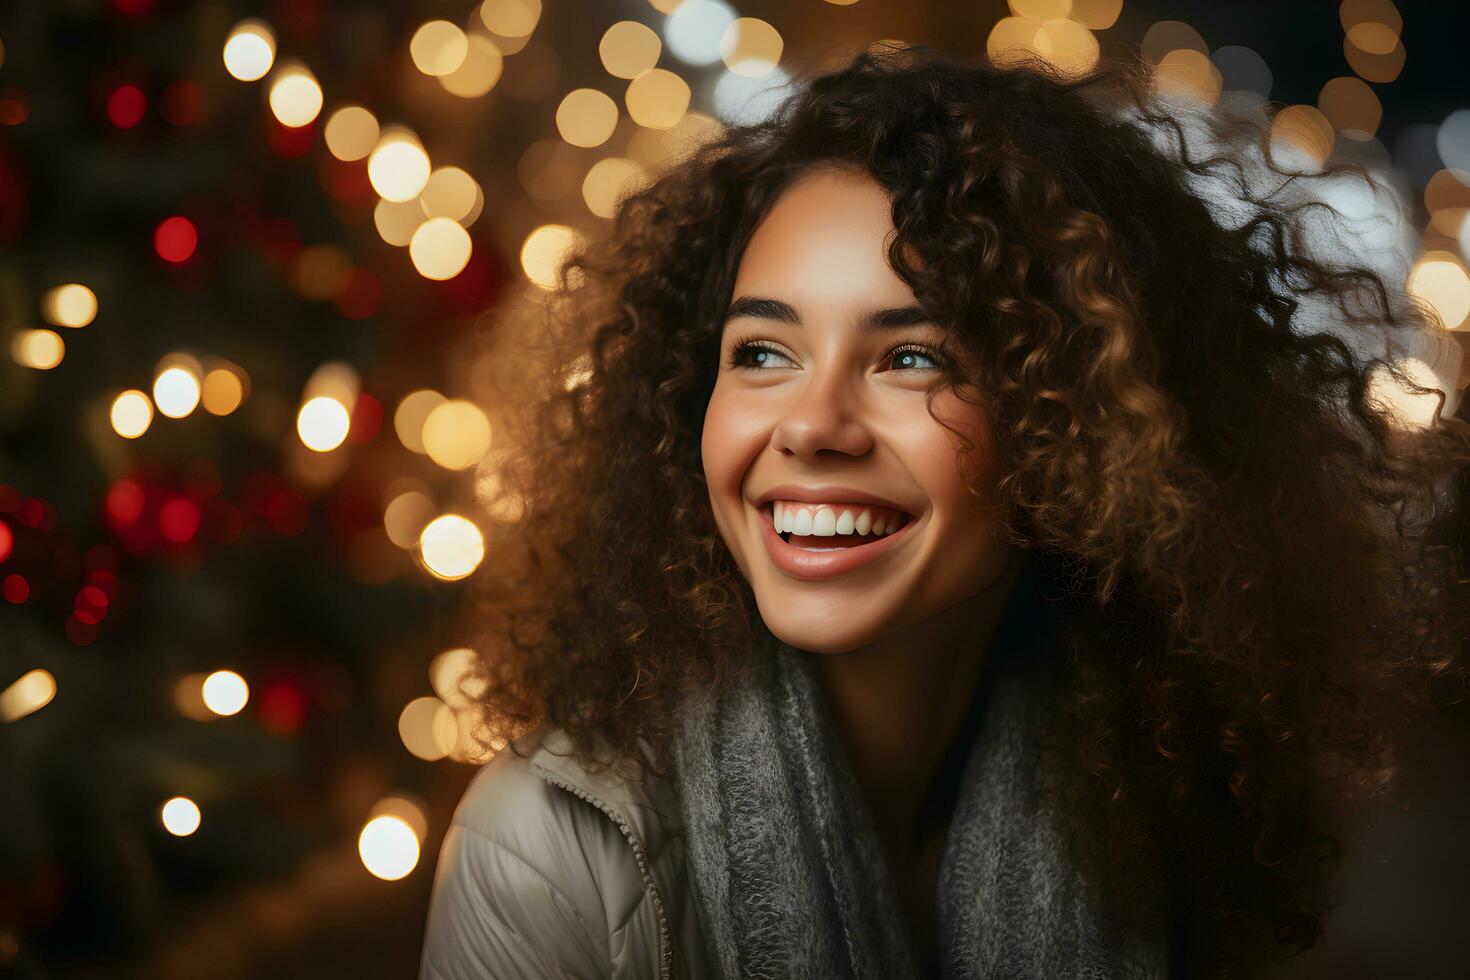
(788, 869)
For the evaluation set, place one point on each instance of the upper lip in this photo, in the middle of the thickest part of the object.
(828, 494)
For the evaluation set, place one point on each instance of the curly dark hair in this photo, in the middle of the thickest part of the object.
(1246, 534)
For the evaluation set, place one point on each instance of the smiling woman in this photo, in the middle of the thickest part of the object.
(945, 551)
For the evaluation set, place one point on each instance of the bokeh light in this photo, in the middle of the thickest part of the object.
(27, 694)
(295, 95)
(440, 248)
(693, 31)
(628, 49)
(180, 816)
(176, 391)
(751, 46)
(586, 117)
(438, 48)
(38, 348)
(398, 167)
(456, 434)
(225, 692)
(483, 64)
(609, 180)
(452, 193)
(131, 413)
(428, 728)
(389, 848)
(250, 50)
(71, 305)
(1440, 281)
(323, 423)
(658, 99)
(511, 18)
(544, 251)
(452, 547)
(351, 132)
(411, 414)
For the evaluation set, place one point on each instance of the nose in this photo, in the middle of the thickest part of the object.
(825, 413)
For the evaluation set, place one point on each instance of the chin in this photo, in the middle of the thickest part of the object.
(829, 632)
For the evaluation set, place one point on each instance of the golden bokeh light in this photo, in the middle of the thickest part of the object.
(405, 516)
(484, 62)
(71, 305)
(1439, 280)
(607, 181)
(1012, 41)
(1097, 15)
(176, 389)
(250, 50)
(1171, 35)
(1381, 12)
(1447, 199)
(295, 95)
(438, 47)
(225, 692)
(658, 99)
(511, 18)
(451, 546)
(456, 434)
(669, 6)
(586, 117)
(28, 693)
(544, 251)
(1302, 130)
(131, 413)
(189, 698)
(751, 47)
(1040, 10)
(224, 390)
(40, 349)
(1351, 106)
(351, 133)
(398, 167)
(1374, 67)
(628, 49)
(396, 221)
(440, 248)
(1065, 44)
(412, 412)
(180, 816)
(451, 677)
(452, 193)
(428, 728)
(389, 848)
(323, 423)
(1188, 74)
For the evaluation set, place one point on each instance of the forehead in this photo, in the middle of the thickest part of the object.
(826, 236)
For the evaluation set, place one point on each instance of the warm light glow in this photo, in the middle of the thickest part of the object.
(1040, 10)
(412, 412)
(28, 693)
(351, 133)
(1171, 35)
(72, 305)
(586, 117)
(452, 193)
(323, 423)
(1098, 15)
(608, 181)
(544, 251)
(225, 692)
(131, 414)
(180, 816)
(657, 99)
(438, 47)
(751, 47)
(450, 671)
(396, 221)
(1409, 409)
(511, 18)
(1303, 132)
(1188, 74)
(456, 434)
(692, 32)
(483, 65)
(223, 391)
(628, 49)
(388, 847)
(452, 546)
(428, 729)
(39, 349)
(250, 50)
(440, 248)
(1351, 106)
(295, 95)
(1439, 280)
(405, 516)
(398, 167)
(176, 392)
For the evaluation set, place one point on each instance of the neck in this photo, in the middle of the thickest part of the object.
(900, 702)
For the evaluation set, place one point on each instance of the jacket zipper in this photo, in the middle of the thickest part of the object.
(665, 946)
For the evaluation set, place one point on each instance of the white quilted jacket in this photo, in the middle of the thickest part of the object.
(549, 872)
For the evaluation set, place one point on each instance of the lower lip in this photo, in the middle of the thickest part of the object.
(817, 565)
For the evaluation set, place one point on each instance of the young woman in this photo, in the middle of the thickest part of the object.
(944, 550)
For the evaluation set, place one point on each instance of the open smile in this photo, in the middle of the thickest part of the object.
(817, 557)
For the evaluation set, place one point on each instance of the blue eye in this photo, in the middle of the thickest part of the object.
(756, 354)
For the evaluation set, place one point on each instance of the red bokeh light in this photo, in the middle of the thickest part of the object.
(287, 512)
(282, 707)
(126, 105)
(367, 418)
(79, 631)
(362, 297)
(176, 239)
(15, 588)
(7, 541)
(182, 103)
(178, 520)
(124, 503)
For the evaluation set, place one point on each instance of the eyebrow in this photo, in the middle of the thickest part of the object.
(765, 308)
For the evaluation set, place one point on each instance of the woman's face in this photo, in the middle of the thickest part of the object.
(815, 408)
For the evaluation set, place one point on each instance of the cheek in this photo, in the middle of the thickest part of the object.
(731, 439)
(951, 467)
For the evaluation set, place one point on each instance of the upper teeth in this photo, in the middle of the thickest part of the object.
(824, 520)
